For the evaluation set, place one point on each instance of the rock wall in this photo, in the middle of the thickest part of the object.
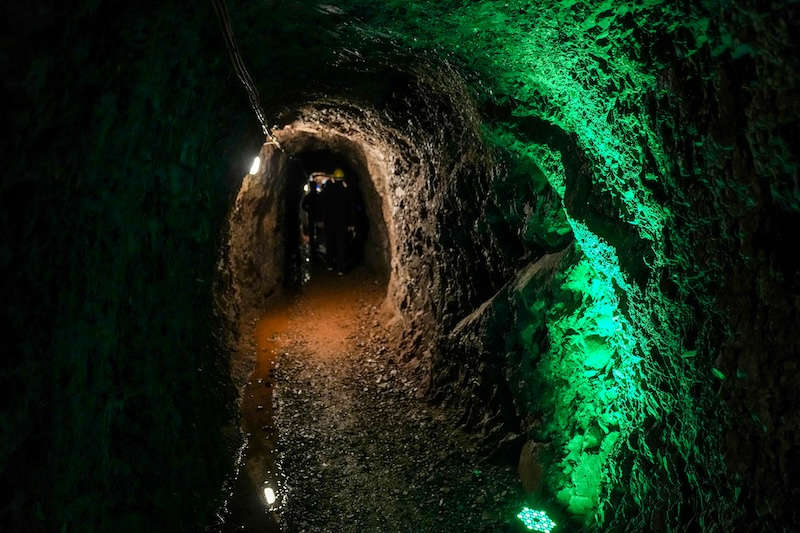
(254, 260)
(118, 407)
(657, 130)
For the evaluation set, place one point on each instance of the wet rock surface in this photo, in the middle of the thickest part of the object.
(361, 448)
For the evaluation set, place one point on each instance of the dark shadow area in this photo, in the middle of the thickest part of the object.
(326, 217)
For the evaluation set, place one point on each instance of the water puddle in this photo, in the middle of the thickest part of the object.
(260, 492)
(318, 320)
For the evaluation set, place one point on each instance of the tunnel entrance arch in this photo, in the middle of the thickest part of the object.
(426, 178)
(264, 222)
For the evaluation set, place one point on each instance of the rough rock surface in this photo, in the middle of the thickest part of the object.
(659, 367)
(360, 448)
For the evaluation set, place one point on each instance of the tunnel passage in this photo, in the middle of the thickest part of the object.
(470, 278)
(430, 188)
(435, 197)
(424, 175)
(308, 243)
(267, 223)
(116, 194)
(512, 324)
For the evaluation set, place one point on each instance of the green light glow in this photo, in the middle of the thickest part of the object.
(610, 359)
(536, 520)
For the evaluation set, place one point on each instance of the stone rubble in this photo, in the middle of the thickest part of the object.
(364, 452)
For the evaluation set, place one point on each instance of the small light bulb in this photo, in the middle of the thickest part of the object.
(307, 188)
(256, 166)
(269, 494)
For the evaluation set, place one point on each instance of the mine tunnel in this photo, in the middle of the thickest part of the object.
(567, 299)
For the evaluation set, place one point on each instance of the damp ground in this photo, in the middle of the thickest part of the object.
(339, 428)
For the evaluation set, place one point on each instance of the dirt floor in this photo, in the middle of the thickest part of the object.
(350, 444)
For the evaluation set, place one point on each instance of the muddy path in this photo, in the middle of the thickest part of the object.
(340, 431)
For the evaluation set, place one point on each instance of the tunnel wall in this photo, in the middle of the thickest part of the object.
(653, 131)
(636, 361)
(255, 254)
(118, 409)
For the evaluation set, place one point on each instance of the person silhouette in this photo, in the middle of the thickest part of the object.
(338, 215)
(312, 205)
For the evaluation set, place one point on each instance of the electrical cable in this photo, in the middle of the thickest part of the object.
(221, 9)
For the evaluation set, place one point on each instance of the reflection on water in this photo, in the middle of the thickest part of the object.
(305, 261)
(301, 263)
(257, 492)
(249, 505)
(275, 493)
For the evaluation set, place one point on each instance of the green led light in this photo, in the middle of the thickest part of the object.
(536, 520)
